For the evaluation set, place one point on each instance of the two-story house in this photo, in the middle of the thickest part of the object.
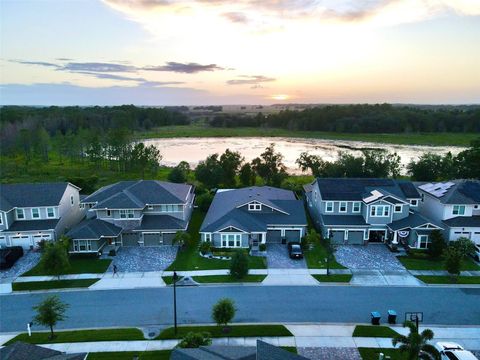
(133, 213)
(456, 204)
(361, 211)
(30, 213)
(243, 218)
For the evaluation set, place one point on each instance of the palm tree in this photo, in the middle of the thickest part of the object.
(415, 344)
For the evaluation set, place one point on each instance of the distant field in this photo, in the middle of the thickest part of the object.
(435, 139)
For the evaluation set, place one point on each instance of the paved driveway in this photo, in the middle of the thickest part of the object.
(277, 258)
(141, 259)
(25, 263)
(371, 257)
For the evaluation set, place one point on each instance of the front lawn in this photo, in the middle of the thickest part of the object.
(54, 284)
(169, 279)
(423, 262)
(345, 278)
(235, 331)
(80, 336)
(372, 353)
(374, 331)
(315, 258)
(189, 259)
(228, 279)
(77, 266)
(128, 355)
(433, 279)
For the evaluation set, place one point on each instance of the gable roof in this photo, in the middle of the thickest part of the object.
(31, 195)
(357, 189)
(94, 229)
(461, 192)
(138, 194)
(24, 351)
(413, 220)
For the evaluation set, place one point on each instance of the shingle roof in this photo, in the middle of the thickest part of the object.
(266, 351)
(94, 229)
(462, 192)
(31, 195)
(411, 221)
(32, 225)
(137, 194)
(357, 220)
(357, 189)
(161, 222)
(463, 221)
(23, 351)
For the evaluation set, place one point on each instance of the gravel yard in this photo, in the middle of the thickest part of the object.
(142, 259)
(26, 262)
(372, 257)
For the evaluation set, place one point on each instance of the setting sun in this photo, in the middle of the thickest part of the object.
(280, 97)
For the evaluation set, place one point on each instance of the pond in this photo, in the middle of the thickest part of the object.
(193, 150)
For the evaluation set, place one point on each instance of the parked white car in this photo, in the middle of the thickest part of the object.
(453, 351)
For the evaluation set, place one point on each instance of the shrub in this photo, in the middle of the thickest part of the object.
(239, 264)
(54, 259)
(453, 261)
(223, 311)
(464, 246)
(195, 340)
(205, 247)
(437, 244)
(262, 247)
(112, 252)
(203, 201)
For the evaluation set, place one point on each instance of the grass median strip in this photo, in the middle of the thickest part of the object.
(228, 279)
(235, 331)
(129, 355)
(344, 278)
(74, 336)
(433, 279)
(374, 331)
(423, 262)
(53, 284)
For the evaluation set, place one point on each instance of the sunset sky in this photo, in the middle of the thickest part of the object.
(186, 52)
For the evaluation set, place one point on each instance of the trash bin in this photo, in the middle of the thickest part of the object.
(375, 318)
(392, 316)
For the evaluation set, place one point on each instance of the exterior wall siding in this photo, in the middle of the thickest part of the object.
(70, 215)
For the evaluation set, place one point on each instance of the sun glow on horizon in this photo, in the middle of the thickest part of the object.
(280, 97)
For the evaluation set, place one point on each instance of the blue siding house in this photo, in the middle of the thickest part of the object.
(243, 218)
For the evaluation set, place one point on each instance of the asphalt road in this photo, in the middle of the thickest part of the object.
(347, 304)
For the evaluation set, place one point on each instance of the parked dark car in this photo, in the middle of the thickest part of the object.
(9, 256)
(295, 251)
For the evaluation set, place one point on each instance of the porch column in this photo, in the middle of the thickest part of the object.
(395, 240)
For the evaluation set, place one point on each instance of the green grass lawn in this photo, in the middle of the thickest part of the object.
(235, 331)
(345, 278)
(374, 331)
(77, 266)
(455, 139)
(372, 353)
(80, 336)
(315, 258)
(291, 349)
(169, 279)
(419, 262)
(432, 279)
(228, 279)
(189, 258)
(54, 284)
(128, 355)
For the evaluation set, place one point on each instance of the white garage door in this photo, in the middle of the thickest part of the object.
(21, 240)
(476, 237)
(38, 238)
(3, 241)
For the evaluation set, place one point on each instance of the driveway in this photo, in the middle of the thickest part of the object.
(369, 257)
(142, 259)
(25, 263)
(277, 258)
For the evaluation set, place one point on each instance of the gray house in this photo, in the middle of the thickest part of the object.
(456, 204)
(30, 213)
(133, 213)
(242, 218)
(361, 211)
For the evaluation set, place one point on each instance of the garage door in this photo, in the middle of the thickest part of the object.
(23, 241)
(130, 239)
(476, 237)
(355, 237)
(38, 238)
(151, 239)
(274, 236)
(338, 236)
(292, 235)
(168, 238)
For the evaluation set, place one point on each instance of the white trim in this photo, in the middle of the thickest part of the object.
(419, 237)
(237, 239)
(395, 208)
(38, 213)
(46, 210)
(16, 214)
(271, 207)
(1, 217)
(326, 207)
(422, 227)
(340, 207)
(383, 210)
(230, 227)
(459, 207)
(254, 206)
(359, 203)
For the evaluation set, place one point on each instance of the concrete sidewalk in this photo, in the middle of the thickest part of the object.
(390, 277)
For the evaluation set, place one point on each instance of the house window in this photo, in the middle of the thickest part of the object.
(414, 202)
(82, 245)
(231, 240)
(35, 213)
(343, 207)
(458, 210)
(329, 206)
(398, 208)
(1, 219)
(150, 207)
(50, 212)
(109, 213)
(126, 214)
(20, 214)
(423, 241)
(71, 200)
(379, 210)
(208, 237)
(254, 206)
(357, 207)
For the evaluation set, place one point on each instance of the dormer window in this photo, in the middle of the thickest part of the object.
(329, 206)
(458, 210)
(20, 214)
(414, 202)
(254, 206)
(343, 207)
(35, 213)
(50, 212)
(150, 207)
(357, 207)
(124, 214)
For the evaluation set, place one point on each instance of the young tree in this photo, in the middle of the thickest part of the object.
(49, 312)
(54, 259)
(453, 261)
(247, 175)
(313, 163)
(223, 311)
(329, 250)
(230, 162)
(310, 239)
(239, 264)
(145, 157)
(464, 246)
(416, 345)
(195, 340)
(181, 238)
(270, 166)
(179, 173)
(203, 201)
(437, 244)
(209, 172)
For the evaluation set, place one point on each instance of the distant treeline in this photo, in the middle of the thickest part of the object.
(380, 118)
